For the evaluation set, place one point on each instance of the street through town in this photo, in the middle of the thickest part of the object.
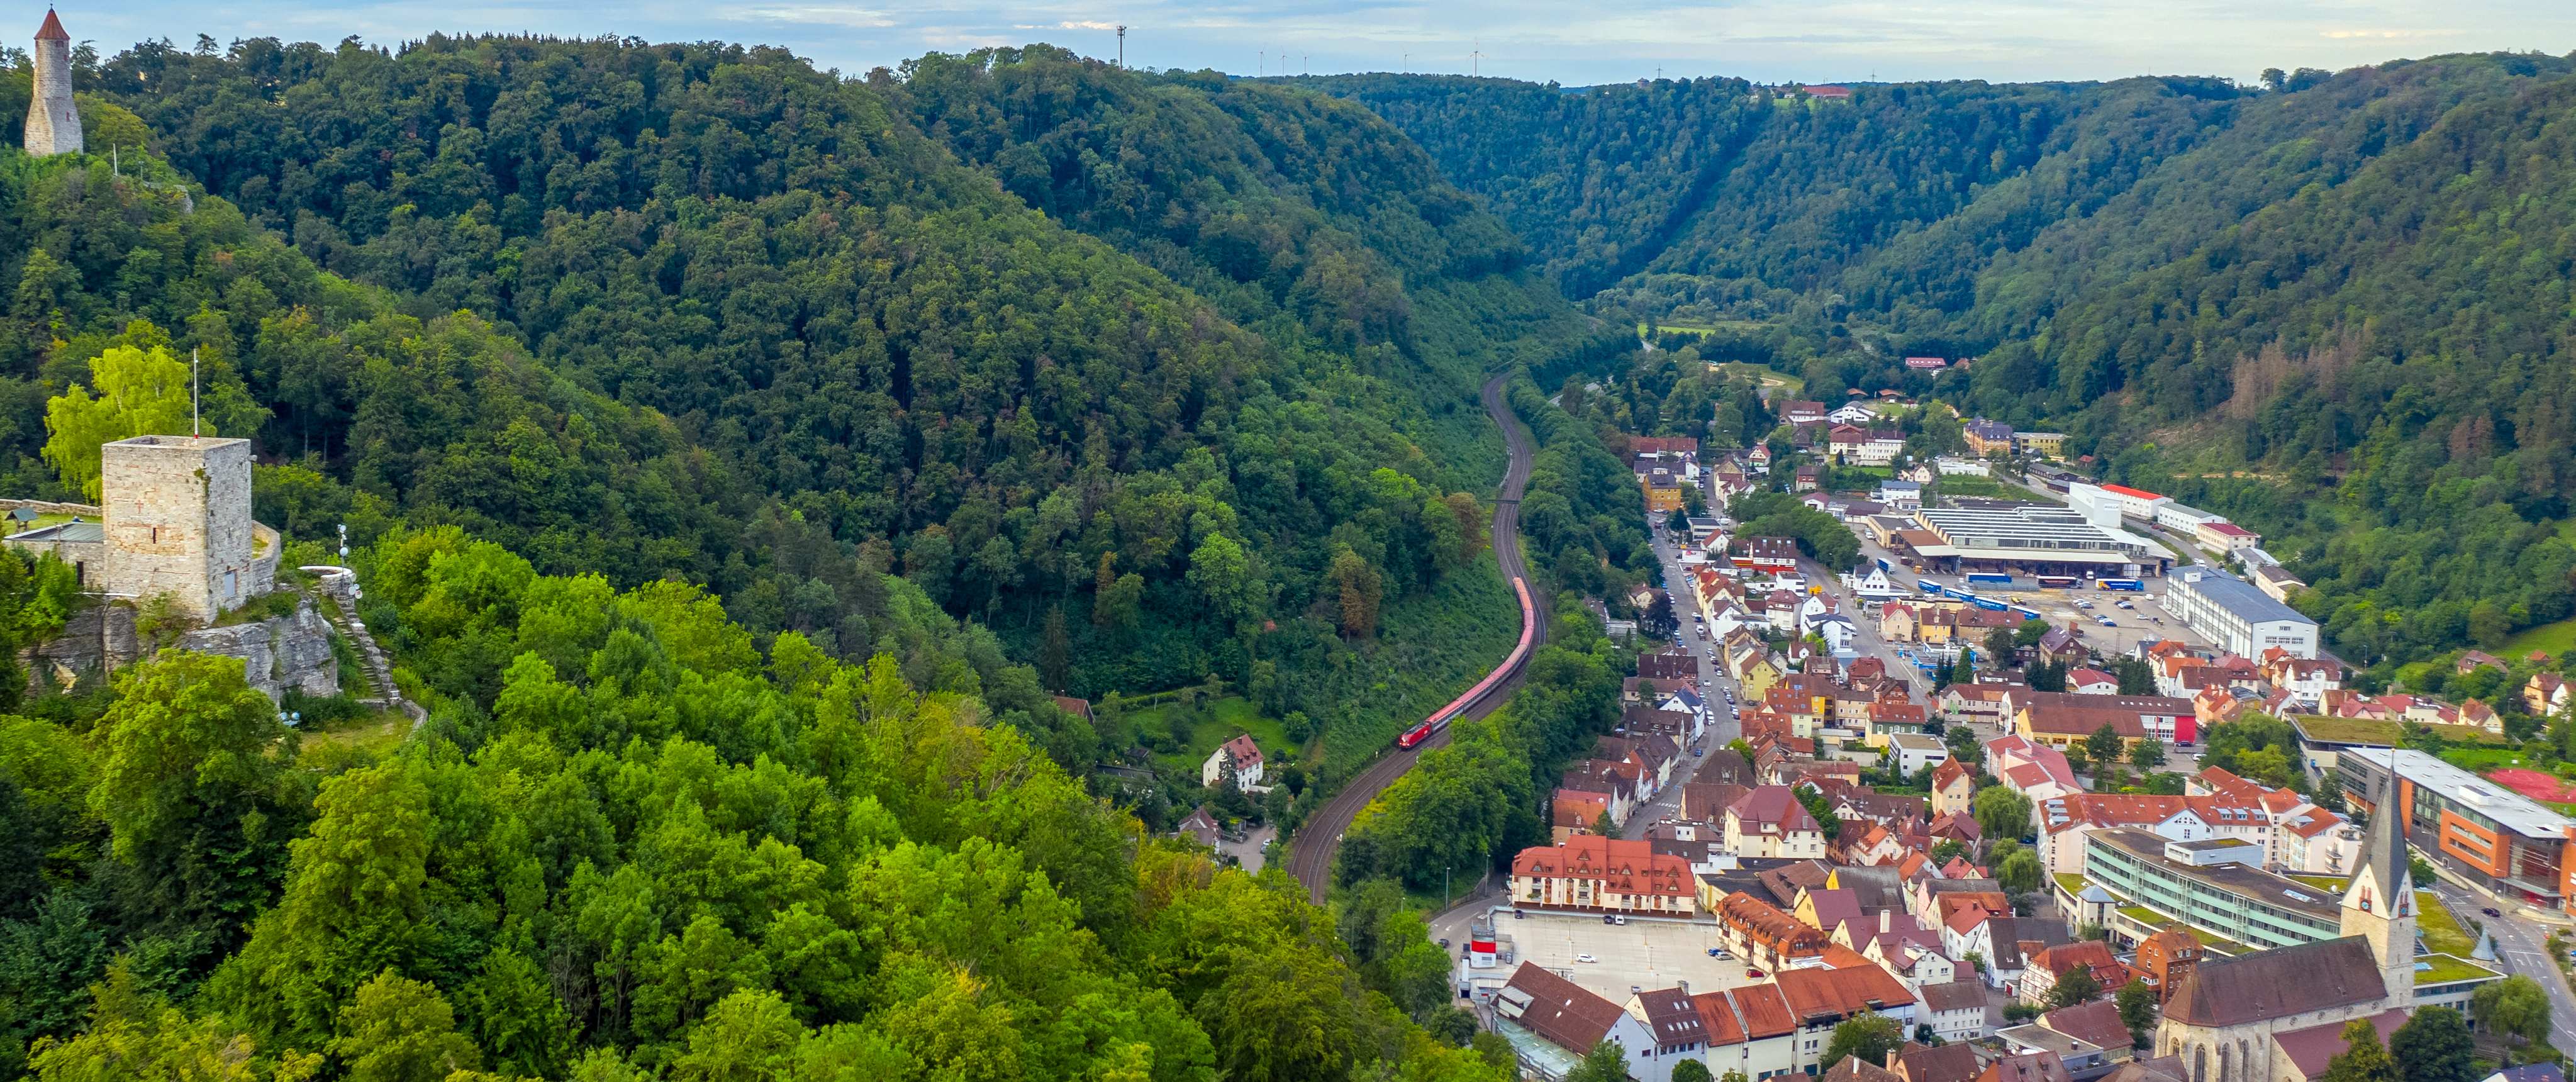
(2519, 949)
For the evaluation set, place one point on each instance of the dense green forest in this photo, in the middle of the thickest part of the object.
(2334, 307)
(737, 456)
(703, 311)
(659, 853)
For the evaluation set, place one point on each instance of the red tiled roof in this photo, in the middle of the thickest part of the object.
(2097, 1022)
(1772, 804)
(53, 28)
(1562, 1011)
(1765, 1011)
(1764, 922)
(1623, 866)
(1816, 994)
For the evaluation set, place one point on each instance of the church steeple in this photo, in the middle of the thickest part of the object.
(2379, 905)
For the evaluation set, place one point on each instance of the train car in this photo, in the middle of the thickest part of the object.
(1441, 718)
(1927, 586)
(1989, 577)
(2058, 582)
(2025, 612)
(2127, 585)
(1956, 594)
(1986, 603)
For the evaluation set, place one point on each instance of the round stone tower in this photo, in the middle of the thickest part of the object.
(53, 122)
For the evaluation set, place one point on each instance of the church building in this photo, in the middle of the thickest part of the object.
(2221, 1015)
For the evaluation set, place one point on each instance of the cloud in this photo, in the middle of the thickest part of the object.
(1086, 26)
(2339, 34)
(828, 16)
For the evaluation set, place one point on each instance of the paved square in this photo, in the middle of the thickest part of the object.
(1646, 954)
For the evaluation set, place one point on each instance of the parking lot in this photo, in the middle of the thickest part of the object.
(2146, 621)
(1642, 953)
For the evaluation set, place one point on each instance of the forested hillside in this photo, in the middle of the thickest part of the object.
(2334, 308)
(735, 457)
(706, 312)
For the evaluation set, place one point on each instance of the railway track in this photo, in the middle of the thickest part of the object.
(1310, 855)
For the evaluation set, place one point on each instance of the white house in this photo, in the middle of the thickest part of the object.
(1914, 751)
(1247, 762)
(2092, 682)
(1837, 631)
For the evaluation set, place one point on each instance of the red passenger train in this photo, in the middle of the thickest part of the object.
(1440, 720)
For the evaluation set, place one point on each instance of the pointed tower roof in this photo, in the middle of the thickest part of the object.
(2383, 856)
(53, 29)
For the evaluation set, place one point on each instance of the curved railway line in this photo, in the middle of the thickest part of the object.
(1310, 855)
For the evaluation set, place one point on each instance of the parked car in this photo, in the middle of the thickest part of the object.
(1624, 920)
(1585, 958)
(1606, 918)
(1444, 944)
(1752, 974)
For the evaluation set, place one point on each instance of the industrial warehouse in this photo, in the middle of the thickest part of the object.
(2026, 539)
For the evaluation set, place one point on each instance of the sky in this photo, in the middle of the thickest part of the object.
(1576, 45)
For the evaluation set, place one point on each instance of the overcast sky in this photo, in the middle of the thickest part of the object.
(1575, 44)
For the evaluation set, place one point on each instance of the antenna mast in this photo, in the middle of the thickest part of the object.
(1122, 46)
(1475, 59)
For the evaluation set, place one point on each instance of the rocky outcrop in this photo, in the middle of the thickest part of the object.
(277, 653)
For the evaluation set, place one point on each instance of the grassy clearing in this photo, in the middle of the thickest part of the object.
(2480, 760)
(1761, 375)
(2383, 733)
(1212, 724)
(2553, 639)
(368, 740)
(2335, 883)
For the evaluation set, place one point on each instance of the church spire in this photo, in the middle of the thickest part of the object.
(2379, 905)
(2382, 868)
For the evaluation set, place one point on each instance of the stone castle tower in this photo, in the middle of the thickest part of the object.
(2379, 906)
(53, 123)
(178, 522)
